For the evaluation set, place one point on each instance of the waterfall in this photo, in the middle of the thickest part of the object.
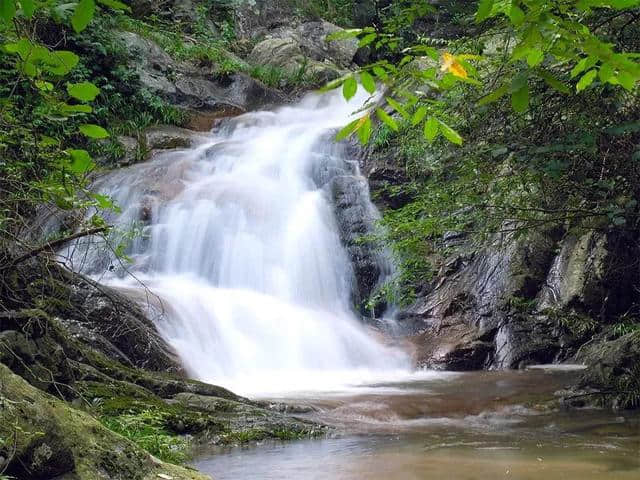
(239, 246)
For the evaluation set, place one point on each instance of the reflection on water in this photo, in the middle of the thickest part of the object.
(481, 425)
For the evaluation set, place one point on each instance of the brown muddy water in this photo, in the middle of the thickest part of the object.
(469, 426)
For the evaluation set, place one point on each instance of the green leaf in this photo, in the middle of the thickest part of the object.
(450, 134)
(398, 107)
(583, 65)
(115, 5)
(606, 72)
(84, 91)
(93, 131)
(553, 82)
(484, 10)
(380, 72)
(495, 95)
(7, 10)
(419, 115)
(624, 4)
(431, 129)
(626, 80)
(347, 130)
(364, 131)
(519, 81)
(60, 62)
(28, 7)
(332, 84)
(73, 109)
(387, 119)
(44, 86)
(520, 99)
(103, 201)
(344, 34)
(367, 39)
(368, 82)
(586, 80)
(81, 161)
(516, 15)
(83, 15)
(535, 57)
(349, 88)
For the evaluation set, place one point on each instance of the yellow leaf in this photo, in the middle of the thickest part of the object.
(451, 64)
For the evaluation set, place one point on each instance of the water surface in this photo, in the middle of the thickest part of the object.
(480, 425)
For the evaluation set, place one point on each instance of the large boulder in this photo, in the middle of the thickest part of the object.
(613, 368)
(98, 316)
(357, 219)
(164, 137)
(305, 50)
(471, 317)
(195, 89)
(50, 439)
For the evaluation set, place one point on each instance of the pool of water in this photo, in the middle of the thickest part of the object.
(480, 425)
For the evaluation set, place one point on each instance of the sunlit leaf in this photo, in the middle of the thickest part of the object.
(93, 131)
(81, 161)
(586, 80)
(451, 64)
(450, 134)
(347, 130)
(368, 82)
(83, 91)
(364, 129)
(484, 10)
(83, 14)
(7, 10)
(397, 106)
(349, 88)
(419, 115)
(367, 39)
(516, 15)
(386, 119)
(431, 129)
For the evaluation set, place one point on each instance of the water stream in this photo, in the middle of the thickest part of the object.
(468, 426)
(239, 258)
(240, 248)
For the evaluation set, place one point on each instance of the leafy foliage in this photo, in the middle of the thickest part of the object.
(520, 150)
(147, 429)
(541, 36)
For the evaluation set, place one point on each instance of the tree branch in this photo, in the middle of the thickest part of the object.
(54, 244)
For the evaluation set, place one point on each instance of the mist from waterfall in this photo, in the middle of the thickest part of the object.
(240, 249)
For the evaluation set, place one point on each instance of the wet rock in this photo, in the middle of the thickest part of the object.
(306, 51)
(613, 369)
(131, 149)
(470, 308)
(312, 37)
(168, 137)
(285, 54)
(99, 316)
(195, 88)
(356, 220)
(243, 417)
(52, 439)
(592, 273)
(254, 18)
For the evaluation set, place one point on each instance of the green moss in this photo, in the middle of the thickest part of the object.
(48, 435)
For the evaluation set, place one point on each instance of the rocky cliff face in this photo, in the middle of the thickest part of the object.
(521, 297)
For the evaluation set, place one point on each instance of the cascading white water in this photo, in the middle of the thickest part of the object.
(241, 245)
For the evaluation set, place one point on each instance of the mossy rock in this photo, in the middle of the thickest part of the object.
(52, 439)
